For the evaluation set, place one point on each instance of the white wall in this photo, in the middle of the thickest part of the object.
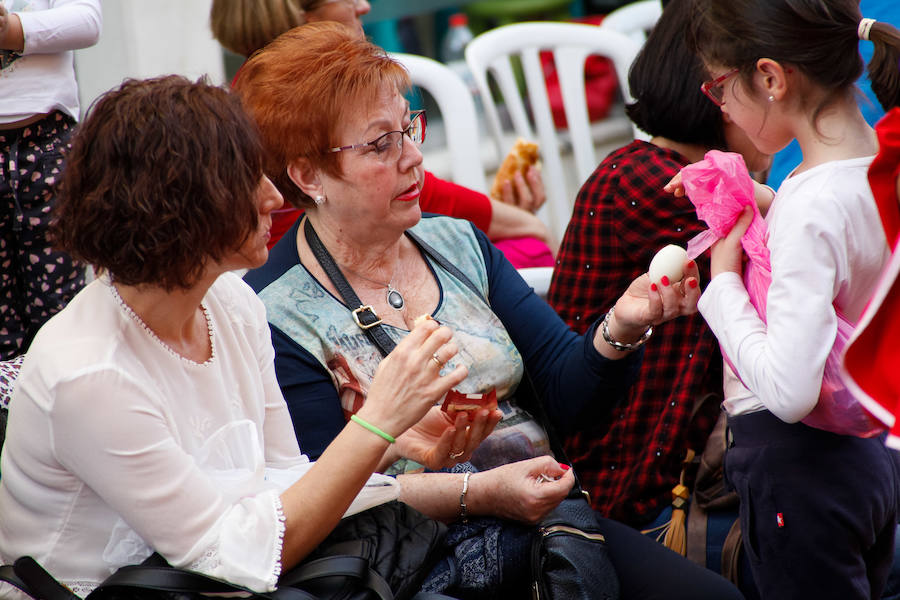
(145, 38)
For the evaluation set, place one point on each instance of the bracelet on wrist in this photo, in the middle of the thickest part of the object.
(463, 509)
(620, 346)
(373, 429)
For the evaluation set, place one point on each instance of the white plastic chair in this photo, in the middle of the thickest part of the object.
(571, 44)
(538, 278)
(454, 99)
(635, 19)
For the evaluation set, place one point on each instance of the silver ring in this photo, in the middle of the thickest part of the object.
(437, 361)
(455, 455)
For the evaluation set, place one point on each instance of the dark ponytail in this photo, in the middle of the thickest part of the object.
(884, 68)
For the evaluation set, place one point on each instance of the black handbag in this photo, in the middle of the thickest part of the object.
(569, 557)
(383, 553)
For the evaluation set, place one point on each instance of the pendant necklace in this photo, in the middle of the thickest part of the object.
(394, 297)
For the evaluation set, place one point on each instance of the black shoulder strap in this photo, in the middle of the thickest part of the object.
(364, 316)
(445, 264)
(164, 578)
(8, 574)
(156, 575)
(354, 567)
(27, 575)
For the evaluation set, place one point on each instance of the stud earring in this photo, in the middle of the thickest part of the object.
(319, 200)
(771, 98)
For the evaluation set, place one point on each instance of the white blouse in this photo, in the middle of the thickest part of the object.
(117, 445)
(827, 250)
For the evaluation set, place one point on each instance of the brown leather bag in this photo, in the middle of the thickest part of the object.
(686, 533)
(710, 495)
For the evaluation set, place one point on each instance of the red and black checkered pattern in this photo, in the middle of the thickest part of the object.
(622, 216)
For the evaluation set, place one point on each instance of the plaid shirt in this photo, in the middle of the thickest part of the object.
(622, 217)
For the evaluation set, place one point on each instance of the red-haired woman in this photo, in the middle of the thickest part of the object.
(245, 26)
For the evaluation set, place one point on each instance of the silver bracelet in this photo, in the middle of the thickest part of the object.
(463, 509)
(604, 331)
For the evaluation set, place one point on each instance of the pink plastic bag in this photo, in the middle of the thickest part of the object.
(719, 187)
(838, 410)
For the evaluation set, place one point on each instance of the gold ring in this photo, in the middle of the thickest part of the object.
(455, 455)
(437, 361)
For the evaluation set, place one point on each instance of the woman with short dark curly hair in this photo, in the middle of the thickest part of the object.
(147, 415)
(145, 217)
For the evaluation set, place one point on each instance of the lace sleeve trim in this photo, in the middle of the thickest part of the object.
(279, 542)
(209, 562)
(80, 588)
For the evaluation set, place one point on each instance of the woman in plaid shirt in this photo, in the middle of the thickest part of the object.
(630, 462)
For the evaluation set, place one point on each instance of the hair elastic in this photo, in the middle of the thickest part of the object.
(865, 25)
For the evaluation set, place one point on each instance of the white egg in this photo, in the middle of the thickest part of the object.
(669, 262)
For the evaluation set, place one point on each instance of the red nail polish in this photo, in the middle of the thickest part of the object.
(692, 283)
(564, 466)
(664, 280)
(691, 264)
(653, 287)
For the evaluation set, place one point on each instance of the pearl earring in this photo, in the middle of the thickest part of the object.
(319, 200)
(771, 98)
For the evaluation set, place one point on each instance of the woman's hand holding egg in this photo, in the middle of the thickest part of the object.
(647, 303)
(671, 289)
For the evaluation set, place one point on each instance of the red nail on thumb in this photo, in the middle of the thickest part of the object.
(564, 466)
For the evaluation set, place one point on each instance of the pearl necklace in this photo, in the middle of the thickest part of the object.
(137, 319)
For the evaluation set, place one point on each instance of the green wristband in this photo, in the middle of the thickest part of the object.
(373, 429)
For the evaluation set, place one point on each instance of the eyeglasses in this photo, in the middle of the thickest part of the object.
(715, 88)
(388, 147)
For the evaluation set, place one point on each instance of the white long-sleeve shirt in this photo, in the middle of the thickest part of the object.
(116, 445)
(41, 78)
(827, 250)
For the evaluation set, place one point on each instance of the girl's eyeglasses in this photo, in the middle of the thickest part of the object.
(715, 88)
(389, 146)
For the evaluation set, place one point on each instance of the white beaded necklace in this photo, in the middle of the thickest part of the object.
(137, 319)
